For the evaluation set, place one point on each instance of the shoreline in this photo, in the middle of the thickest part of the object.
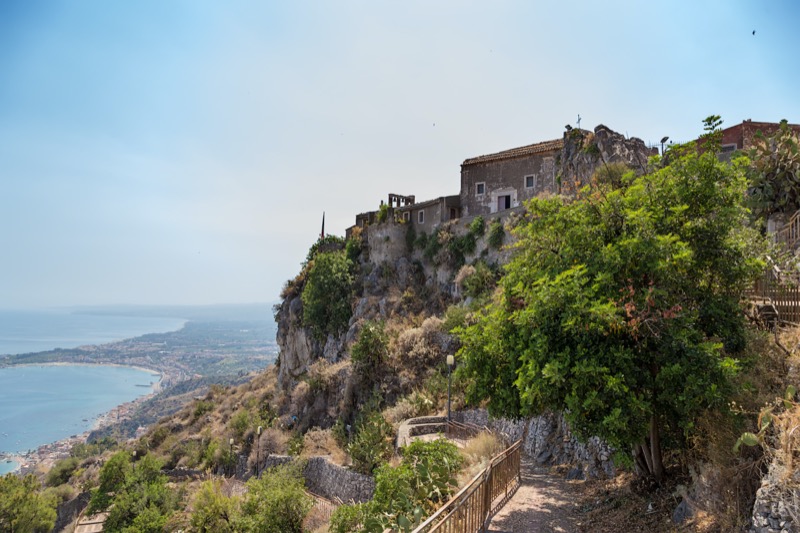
(46, 455)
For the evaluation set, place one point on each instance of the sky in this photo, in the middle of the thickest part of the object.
(183, 152)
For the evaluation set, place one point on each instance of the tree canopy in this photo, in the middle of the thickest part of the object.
(327, 293)
(23, 509)
(621, 306)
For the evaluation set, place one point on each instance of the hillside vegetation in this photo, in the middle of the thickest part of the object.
(620, 306)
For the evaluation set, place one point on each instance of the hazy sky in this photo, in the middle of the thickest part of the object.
(182, 152)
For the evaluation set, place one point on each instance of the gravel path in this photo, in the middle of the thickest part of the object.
(543, 503)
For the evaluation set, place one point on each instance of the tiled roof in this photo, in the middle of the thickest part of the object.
(546, 146)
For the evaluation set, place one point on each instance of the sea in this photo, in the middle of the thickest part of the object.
(40, 404)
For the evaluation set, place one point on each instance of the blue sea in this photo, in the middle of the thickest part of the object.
(40, 404)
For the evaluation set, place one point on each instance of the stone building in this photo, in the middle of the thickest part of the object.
(494, 182)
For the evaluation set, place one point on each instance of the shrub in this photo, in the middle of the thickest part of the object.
(23, 507)
(276, 502)
(481, 281)
(496, 234)
(383, 214)
(369, 352)
(478, 226)
(61, 472)
(348, 518)
(202, 407)
(372, 441)
(213, 511)
(327, 293)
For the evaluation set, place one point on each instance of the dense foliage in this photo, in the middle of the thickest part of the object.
(23, 509)
(404, 494)
(776, 172)
(135, 494)
(621, 306)
(274, 503)
(327, 294)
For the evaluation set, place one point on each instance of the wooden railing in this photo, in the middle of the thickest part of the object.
(789, 234)
(471, 508)
(782, 295)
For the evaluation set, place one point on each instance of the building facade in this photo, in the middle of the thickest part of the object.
(494, 182)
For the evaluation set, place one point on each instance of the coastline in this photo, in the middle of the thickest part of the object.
(45, 456)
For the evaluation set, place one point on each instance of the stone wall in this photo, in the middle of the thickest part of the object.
(548, 440)
(334, 482)
(771, 510)
(68, 511)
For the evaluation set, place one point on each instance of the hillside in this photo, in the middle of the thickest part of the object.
(641, 269)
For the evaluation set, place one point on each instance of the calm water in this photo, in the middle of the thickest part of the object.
(38, 331)
(43, 404)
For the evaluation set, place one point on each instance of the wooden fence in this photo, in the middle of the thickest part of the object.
(783, 295)
(471, 508)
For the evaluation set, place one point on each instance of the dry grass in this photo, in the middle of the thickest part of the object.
(478, 452)
(318, 442)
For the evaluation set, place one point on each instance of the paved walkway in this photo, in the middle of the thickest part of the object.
(542, 504)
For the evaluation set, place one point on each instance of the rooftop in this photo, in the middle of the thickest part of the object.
(546, 146)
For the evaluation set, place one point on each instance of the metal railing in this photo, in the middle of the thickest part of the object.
(472, 507)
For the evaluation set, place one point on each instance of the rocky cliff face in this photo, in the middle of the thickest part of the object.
(585, 151)
(298, 348)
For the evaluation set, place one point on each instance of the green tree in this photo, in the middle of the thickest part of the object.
(276, 502)
(621, 306)
(23, 509)
(327, 293)
(213, 512)
(137, 498)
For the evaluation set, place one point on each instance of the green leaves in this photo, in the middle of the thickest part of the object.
(327, 294)
(23, 509)
(622, 304)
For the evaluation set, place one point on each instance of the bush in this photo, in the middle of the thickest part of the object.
(496, 234)
(372, 442)
(61, 472)
(213, 511)
(480, 282)
(23, 507)
(327, 294)
(369, 352)
(478, 226)
(276, 502)
(405, 494)
(383, 214)
(348, 518)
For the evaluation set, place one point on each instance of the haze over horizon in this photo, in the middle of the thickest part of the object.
(183, 152)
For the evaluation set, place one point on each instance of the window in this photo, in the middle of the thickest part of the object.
(530, 182)
(407, 216)
(480, 188)
(727, 148)
(421, 216)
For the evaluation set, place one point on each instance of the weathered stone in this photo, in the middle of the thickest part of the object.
(682, 512)
(576, 473)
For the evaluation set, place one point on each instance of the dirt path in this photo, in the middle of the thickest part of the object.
(543, 503)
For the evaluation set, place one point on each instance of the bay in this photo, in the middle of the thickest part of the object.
(40, 404)
(32, 331)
